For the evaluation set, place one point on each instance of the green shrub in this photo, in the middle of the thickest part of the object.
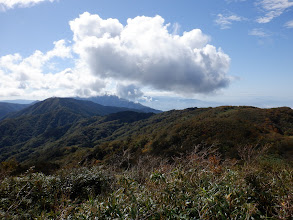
(198, 186)
(32, 194)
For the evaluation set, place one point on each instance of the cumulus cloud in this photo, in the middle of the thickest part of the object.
(106, 56)
(145, 53)
(225, 21)
(10, 4)
(130, 92)
(272, 9)
(289, 24)
(16, 64)
(27, 76)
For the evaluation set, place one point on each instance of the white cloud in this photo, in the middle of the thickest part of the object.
(26, 76)
(88, 25)
(259, 32)
(225, 21)
(229, 1)
(33, 64)
(272, 9)
(289, 24)
(106, 56)
(144, 53)
(176, 27)
(10, 4)
(130, 92)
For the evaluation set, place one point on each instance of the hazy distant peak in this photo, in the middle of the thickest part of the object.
(112, 100)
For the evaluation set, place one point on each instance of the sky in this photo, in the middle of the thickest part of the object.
(164, 54)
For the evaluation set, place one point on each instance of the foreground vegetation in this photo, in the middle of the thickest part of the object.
(199, 185)
(60, 160)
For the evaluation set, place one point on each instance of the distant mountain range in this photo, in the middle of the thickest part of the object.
(74, 106)
(63, 131)
(111, 100)
(12, 106)
(168, 103)
(20, 101)
(6, 108)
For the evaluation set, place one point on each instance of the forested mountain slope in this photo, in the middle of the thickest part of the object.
(6, 108)
(22, 132)
(68, 134)
(230, 128)
(140, 164)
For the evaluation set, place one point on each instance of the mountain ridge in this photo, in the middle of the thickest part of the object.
(112, 100)
(63, 136)
(6, 108)
(44, 122)
(86, 108)
(9, 108)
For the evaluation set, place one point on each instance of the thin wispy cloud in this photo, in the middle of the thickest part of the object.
(259, 32)
(230, 1)
(225, 21)
(176, 28)
(289, 24)
(10, 4)
(272, 9)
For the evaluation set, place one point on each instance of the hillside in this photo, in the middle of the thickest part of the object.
(65, 136)
(229, 128)
(6, 108)
(79, 107)
(198, 163)
(25, 131)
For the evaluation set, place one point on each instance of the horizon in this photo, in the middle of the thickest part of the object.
(163, 55)
(162, 107)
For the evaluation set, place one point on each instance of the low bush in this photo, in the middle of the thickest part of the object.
(198, 186)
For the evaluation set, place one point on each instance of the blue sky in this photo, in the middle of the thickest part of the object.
(233, 52)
